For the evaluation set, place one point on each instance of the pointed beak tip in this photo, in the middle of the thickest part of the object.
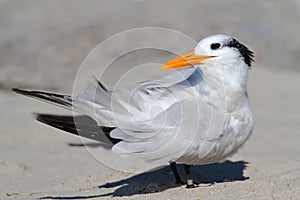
(163, 67)
(187, 59)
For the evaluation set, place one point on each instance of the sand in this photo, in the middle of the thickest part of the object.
(42, 45)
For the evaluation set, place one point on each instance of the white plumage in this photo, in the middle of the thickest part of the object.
(203, 116)
(198, 115)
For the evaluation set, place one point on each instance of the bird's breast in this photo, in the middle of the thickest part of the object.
(226, 134)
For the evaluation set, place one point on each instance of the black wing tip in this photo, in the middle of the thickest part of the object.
(37, 116)
(40, 117)
(44, 118)
(20, 91)
(100, 84)
(16, 90)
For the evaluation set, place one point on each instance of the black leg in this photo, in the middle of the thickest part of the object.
(190, 183)
(175, 172)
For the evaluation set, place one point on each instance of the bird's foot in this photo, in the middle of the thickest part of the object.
(190, 184)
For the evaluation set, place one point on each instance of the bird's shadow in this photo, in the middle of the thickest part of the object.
(162, 179)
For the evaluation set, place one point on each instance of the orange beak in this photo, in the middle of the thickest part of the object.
(186, 59)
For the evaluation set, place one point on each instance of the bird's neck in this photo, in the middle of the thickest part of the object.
(227, 86)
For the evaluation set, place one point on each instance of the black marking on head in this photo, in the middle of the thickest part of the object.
(247, 54)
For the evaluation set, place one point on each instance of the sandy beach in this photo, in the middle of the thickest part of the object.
(42, 45)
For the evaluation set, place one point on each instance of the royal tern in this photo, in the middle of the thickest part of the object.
(204, 114)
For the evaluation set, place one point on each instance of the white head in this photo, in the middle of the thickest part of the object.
(216, 50)
(224, 62)
(225, 49)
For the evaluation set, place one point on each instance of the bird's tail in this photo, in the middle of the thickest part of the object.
(64, 101)
(95, 101)
(80, 125)
(84, 104)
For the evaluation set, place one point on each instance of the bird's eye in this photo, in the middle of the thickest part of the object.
(214, 46)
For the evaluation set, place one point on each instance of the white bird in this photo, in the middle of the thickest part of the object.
(197, 115)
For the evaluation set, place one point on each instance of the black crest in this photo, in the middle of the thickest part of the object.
(245, 52)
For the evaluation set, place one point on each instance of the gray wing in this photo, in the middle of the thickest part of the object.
(133, 102)
(156, 120)
(169, 136)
